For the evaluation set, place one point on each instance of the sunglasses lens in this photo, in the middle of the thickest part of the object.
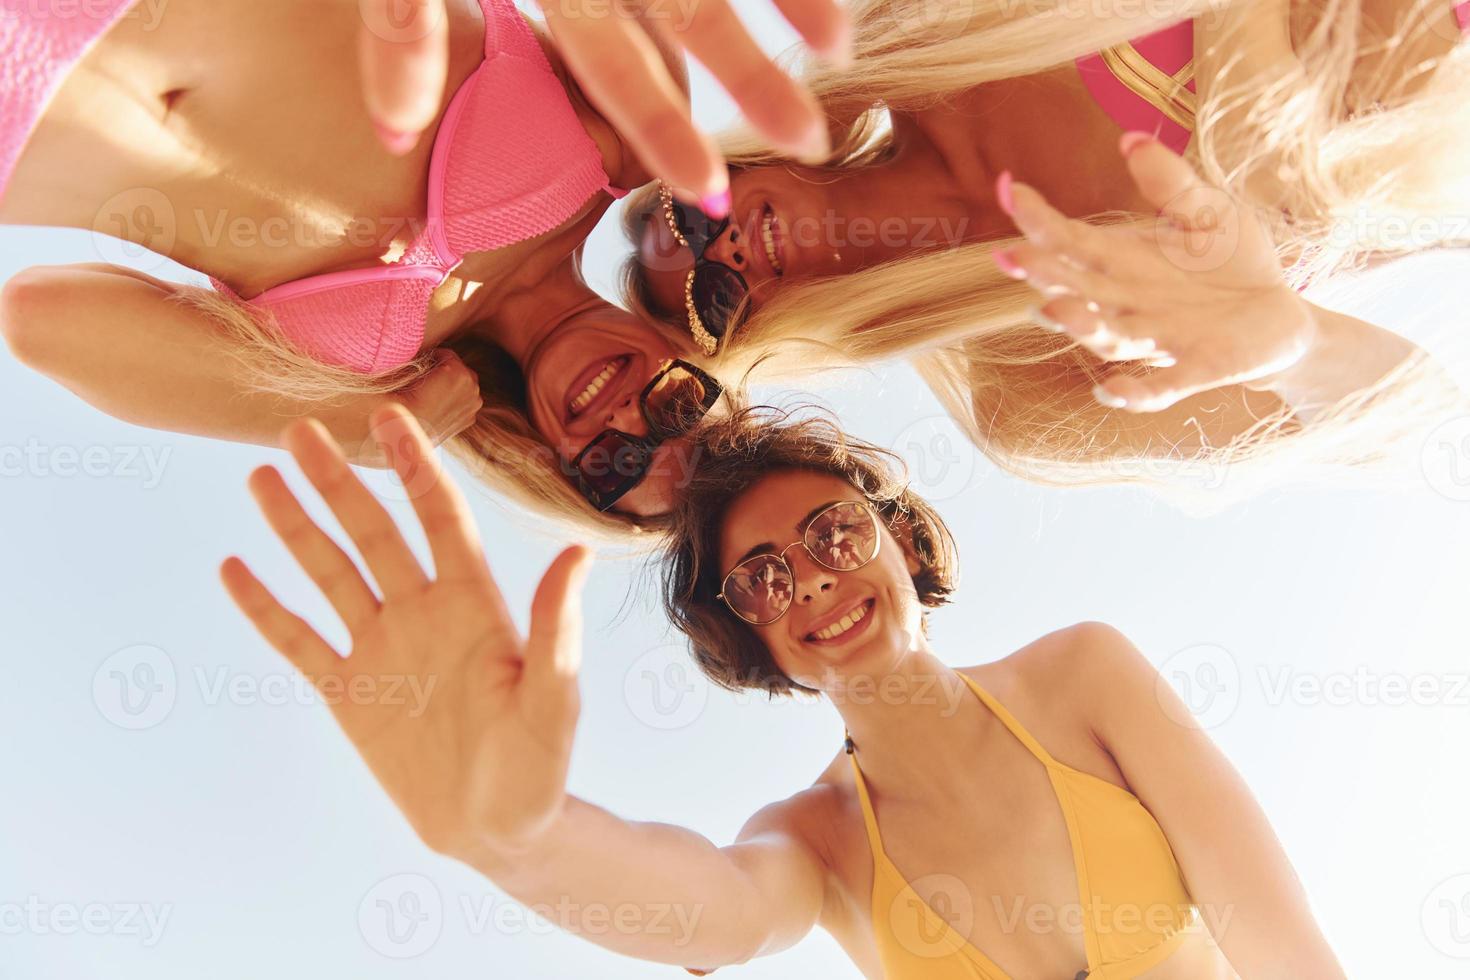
(843, 537)
(677, 401)
(696, 226)
(759, 590)
(609, 467)
(718, 291)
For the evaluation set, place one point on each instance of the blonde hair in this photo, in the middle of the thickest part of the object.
(1336, 189)
(501, 449)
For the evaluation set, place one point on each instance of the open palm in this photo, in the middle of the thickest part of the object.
(466, 724)
(1194, 299)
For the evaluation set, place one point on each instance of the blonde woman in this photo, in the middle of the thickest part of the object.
(231, 137)
(1317, 136)
(1064, 785)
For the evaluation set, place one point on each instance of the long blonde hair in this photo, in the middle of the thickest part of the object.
(501, 449)
(1337, 190)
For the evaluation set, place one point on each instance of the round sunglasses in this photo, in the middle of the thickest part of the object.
(842, 536)
(713, 291)
(672, 403)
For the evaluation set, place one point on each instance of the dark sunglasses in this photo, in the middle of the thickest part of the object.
(842, 536)
(673, 403)
(713, 291)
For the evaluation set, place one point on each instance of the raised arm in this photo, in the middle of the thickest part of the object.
(1236, 869)
(121, 341)
(478, 764)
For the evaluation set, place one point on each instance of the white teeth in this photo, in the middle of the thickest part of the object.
(844, 624)
(595, 387)
(768, 238)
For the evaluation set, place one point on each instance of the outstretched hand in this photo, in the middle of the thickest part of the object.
(613, 50)
(1194, 299)
(478, 757)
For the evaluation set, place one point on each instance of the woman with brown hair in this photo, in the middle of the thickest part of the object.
(1062, 788)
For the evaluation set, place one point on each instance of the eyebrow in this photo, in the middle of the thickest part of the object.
(800, 526)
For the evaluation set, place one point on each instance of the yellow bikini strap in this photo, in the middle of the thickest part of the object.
(870, 819)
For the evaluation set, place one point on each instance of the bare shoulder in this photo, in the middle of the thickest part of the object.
(1072, 689)
(809, 815)
(1079, 655)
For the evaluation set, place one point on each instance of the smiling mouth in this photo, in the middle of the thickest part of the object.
(594, 386)
(770, 238)
(848, 626)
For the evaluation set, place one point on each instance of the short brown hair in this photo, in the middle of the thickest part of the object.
(736, 452)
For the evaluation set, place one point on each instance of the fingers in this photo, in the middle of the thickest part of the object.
(288, 633)
(366, 522)
(441, 508)
(554, 643)
(403, 51)
(1053, 275)
(1155, 391)
(1045, 226)
(318, 555)
(1169, 183)
(776, 105)
(824, 25)
(1108, 335)
(446, 400)
(622, 73)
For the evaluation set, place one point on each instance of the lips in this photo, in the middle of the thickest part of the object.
(858, 615)
(596, 386)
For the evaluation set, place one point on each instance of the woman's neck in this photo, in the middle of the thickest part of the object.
(901, 723)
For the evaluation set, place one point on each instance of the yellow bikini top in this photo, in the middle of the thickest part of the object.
(1134, 906)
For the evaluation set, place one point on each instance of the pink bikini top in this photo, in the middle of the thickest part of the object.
(1148, 84)
(510, 161)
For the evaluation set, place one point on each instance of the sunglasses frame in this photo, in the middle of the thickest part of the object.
(708, 340)
(780, 557)
(657, 435)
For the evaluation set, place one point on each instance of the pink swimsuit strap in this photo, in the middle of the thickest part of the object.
(510, 161)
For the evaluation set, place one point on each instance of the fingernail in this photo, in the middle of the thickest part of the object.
(1038, 315)
(397, 143)
(716, 205)
(1132, 140)
(1003, 194)
(1007, 263)
(1107, 398)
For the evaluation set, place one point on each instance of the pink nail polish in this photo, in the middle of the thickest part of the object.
(397, 143)
(1007, 263)
(1131, 141)
(716, 205)
(1003, 194)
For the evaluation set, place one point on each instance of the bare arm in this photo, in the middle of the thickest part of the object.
(478, 763)
(1236, 869)
(120, 341)
(664, 893)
